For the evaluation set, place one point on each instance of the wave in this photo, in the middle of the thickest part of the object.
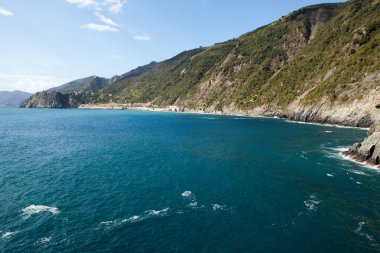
(216, 207)
(189, 196)
(242, 118)
(312, 202)
(42, 241)
(363, 164)
(193, 205)
(115, 223)
(8, 234)
(133, 219)
(186, 194)
(337, 153)
(358, 172)
(323, 124)
(340, 148)
(35, 209)
(162, 212)
(359, 231)
(330, 175)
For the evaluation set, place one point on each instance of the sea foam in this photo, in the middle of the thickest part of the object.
(35, 209)
(8, 234)
(114, 223)
(312, 202)
(43, 241)
(186, 194)
(133, 219)
(337, 153)
(162, 212)
(359, 231)
(193, 205)
(324, 124)
(216, 207)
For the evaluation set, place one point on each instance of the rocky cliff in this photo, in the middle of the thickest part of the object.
(369, 150)
(51, 100)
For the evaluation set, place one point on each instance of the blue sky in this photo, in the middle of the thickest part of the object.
(45, 43)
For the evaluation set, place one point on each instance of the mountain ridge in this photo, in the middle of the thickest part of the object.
(13, 98)
(319, 63)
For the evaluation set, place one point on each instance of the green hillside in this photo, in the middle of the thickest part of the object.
(83, 85)
(317, 58)
(240, 71)
(325, 48)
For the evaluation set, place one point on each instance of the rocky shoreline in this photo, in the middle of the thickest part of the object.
(358, 121)
(176, 109)
(367, 151)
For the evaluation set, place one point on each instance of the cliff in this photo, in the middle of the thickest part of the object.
(369, 150)
(51, 100)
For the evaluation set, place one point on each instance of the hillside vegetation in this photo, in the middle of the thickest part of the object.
(320, 63)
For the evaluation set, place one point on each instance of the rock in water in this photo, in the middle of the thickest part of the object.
(369, 149)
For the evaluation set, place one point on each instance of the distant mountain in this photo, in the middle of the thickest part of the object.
(13, 98)
(320, 63)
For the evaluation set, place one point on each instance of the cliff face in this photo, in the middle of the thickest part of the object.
(369, 150)
(320, 64)
(51, 100)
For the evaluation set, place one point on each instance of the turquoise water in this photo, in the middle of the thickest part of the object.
(124, 181)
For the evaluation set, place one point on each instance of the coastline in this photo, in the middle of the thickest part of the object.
(176, 109)
(363, 164)
(173, 109)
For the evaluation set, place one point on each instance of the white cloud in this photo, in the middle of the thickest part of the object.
(29, 83)
(113, 6)
(106, 20)
(142, 37)
(83, 3)
(100, 28)
(5, 12)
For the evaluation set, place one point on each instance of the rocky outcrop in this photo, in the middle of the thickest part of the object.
(369, 150)
(51, 100)
(374, 128)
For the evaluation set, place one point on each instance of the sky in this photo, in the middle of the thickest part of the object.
(45, 43)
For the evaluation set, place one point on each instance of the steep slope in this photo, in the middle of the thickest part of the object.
(13, 98)
(52, 100)
(320, 63)
(87, 84)
(336, 78)
(227, 73)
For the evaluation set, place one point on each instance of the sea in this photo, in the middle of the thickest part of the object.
(76, 180)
